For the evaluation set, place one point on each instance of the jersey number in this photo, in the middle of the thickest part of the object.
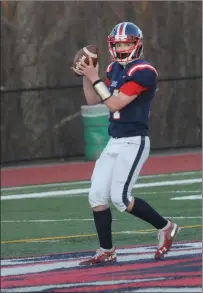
(116, 115)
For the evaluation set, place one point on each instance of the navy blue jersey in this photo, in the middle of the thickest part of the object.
(133, 119)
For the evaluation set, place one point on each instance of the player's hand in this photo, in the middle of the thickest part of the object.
(89, 71)
(77, 71)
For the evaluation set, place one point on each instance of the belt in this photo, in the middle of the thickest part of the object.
(137, 133)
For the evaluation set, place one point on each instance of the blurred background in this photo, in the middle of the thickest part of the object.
(41, 99)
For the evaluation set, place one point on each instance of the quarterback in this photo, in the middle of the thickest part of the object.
(127, 91)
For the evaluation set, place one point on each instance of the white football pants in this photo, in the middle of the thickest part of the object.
(116, 171)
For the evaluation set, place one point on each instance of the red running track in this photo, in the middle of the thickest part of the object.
(82, 171)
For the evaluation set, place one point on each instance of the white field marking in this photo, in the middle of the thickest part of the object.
(88, 182)
(97, 283)
(137, 232)
(180, 217)
(61, 184)
(180, 290)
(171, 174)
(80, 220)
(137, 250)
(168, 183)
(86, 190)
(169, 290)
(37, 268)
(169, 191)
(176, 290)
(162, 192)
(189, 197)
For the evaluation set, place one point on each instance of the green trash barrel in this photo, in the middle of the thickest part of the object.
(95, 120)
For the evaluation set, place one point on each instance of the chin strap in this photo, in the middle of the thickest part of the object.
(102, 90)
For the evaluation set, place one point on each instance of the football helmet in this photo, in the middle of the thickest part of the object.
(129, 33)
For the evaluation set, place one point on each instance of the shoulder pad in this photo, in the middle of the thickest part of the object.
(143, 74)
(137, 67)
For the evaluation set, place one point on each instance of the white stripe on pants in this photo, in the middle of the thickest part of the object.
(117, 170)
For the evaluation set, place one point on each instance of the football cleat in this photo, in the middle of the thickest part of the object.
(166, 236)
(102, 256)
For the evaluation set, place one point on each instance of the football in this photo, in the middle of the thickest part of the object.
(84, 54)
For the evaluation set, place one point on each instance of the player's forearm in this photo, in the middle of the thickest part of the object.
(113, 102)
(90, 94)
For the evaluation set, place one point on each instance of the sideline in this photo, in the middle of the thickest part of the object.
(86, 190)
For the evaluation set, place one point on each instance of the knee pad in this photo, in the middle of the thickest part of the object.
(118, 203)
(97, 198)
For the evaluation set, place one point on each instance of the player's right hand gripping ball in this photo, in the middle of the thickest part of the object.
(84, 54)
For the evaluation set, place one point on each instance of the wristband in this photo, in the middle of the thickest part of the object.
(101, 89)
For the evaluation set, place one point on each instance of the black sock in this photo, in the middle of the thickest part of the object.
(103, 220)
(144, 211)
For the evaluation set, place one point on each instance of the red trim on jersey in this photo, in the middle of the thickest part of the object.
(140, 67)
(131, 88)
(107, 82)
(109, 68)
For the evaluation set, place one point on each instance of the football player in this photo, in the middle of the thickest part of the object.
(128, 91)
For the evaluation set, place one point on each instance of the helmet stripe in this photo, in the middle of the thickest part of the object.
(121, 29)
(118, 30)
(124, 28)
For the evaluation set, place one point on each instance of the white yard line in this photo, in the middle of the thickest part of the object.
(188, 197)
(88, 182)
(86, 190)
(45, 185)
(80, 220)
(170, 191)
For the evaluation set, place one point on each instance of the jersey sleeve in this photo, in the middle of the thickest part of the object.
(131, 88)
(107, 82)
(143, 74)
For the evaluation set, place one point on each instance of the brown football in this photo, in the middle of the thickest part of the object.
(84, 54)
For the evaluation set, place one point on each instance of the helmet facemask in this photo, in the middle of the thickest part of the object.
(125, 56)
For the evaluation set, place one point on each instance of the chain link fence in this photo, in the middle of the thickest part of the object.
(45, 123)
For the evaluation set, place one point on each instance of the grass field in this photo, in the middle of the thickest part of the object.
(57, 218)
